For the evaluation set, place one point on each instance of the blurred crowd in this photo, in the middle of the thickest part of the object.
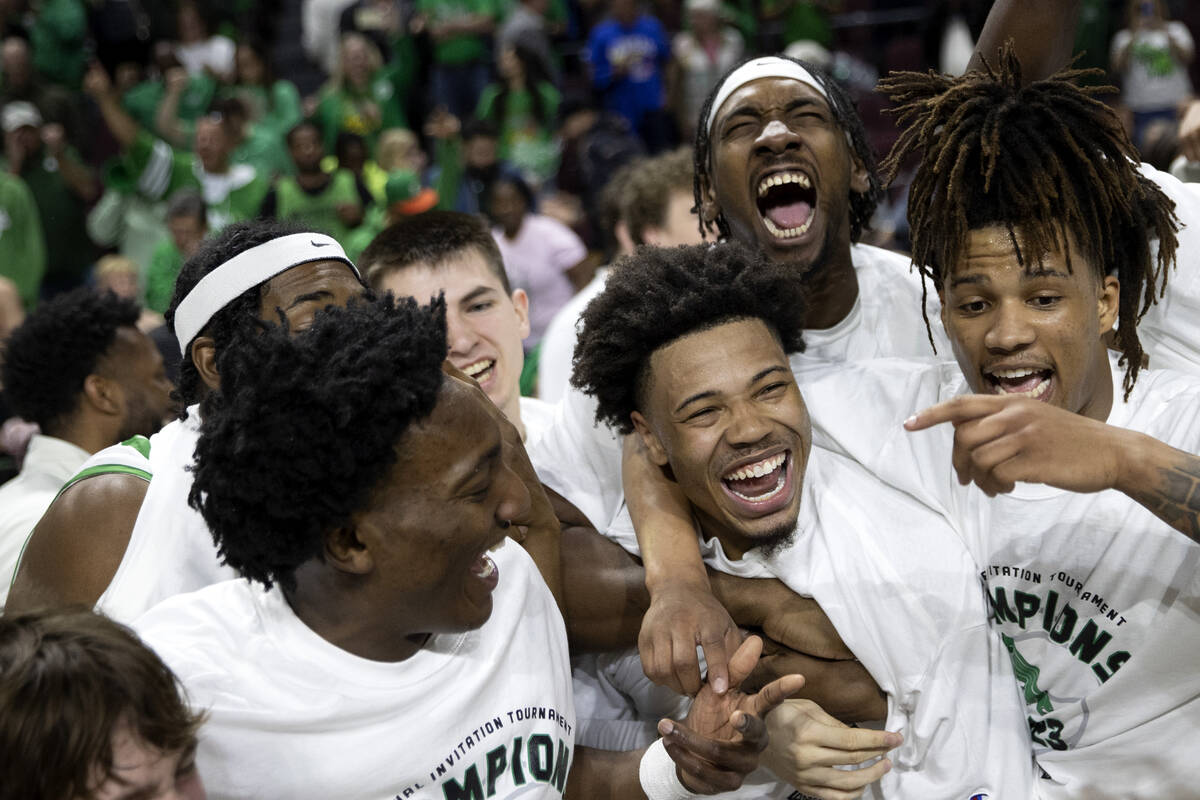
(134, 130)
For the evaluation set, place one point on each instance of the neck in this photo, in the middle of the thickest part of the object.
(1099, 405)
(512, 411)
(734, 544)
(85, 434)
(310, 178)
(334, 606)
(832, 289)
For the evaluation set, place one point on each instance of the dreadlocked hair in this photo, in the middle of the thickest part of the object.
(862, 204)
(308, 427)
(1041, 160)
(231, 241)
(660, 294)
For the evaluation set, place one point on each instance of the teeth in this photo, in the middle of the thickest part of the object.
(1035, 392)
(489, 567)
(780, 178)
(478, 367)
(787, 233)
(1014, 373)
(764, 467)
(762, 498)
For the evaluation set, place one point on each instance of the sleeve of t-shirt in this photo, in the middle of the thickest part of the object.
(1120, 42)
(1178, 33)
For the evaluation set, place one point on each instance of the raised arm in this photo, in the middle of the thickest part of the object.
(1043, 32)
(97, 84)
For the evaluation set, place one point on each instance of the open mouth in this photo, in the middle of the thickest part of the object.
(480, 370)
(787, 203)
(761, 487)
(1021, 381)
(485, 569)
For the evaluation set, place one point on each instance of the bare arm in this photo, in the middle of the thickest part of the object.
(74, 552)
(1164, 480)
(124, 128)
(166, 117)
(1043, 32)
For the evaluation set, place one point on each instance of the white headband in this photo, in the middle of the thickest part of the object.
(246, 270)
(765, 67)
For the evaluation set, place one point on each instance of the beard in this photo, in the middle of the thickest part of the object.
(775, 540)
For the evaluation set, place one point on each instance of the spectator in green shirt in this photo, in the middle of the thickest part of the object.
(364, 96)
(187, 223)
(271, 105)
(231, 191)
(524, 107)
(22, 246)
(461, 31)
(327, 201)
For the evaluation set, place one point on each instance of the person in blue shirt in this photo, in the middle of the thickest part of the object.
(628, 52)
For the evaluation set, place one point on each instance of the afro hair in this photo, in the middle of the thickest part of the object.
(307, 427)
(658, 295)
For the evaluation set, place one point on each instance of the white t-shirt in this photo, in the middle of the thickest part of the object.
(558, 345)
(49, 462)
(170, 549)
(904, 594)
(537, 416)
(1097, 597)
(483, 713)
(582, 460)
(1170, 331)
(1154, 80)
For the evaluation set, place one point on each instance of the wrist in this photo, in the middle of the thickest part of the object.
(659, 777)
(681, 576)
(1135, 462)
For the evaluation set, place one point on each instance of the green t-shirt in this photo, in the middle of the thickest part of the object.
(462, 49)
(343, 109)
(22, 245)
(318, 209)
(160, 170)
(278, 109)
(160, 277)
(526, 141)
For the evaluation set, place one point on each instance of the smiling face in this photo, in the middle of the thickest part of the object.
(722, 409)
(303, 290)
(484, 324)
(443, 505)
(1034, 331)
(781, 171)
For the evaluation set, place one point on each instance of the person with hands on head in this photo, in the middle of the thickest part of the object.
(688, 347)
(382, 565)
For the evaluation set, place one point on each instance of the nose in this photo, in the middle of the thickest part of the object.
(1010, 329)
(459, 336)
(776, 136)
(516, 503)
(746, 426)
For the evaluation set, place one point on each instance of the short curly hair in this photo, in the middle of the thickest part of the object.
(214, 252)
(861, 204)
(68, 679)
(307, 427)
(660, 294)
(49, 355)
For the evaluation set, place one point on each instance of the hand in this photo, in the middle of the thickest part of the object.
(54, 137)
(96, 81)
(805, 744)
(682, 616)
(442, 124)
(1189, 132)
(720, 741)
(176, 79)
(1000, 440)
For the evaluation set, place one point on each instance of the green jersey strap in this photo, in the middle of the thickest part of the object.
(130, 457)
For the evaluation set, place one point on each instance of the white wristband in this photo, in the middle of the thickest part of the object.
(657, 774)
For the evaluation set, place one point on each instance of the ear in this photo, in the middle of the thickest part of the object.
(520, 301)
(204, 357)
(104, 394)
(1109, 303)
(709, 210)
(654, 447)
(345, 550)
(860, 179)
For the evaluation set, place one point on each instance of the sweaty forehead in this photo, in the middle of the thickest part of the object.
(760, 95)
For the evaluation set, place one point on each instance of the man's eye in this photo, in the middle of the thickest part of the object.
(1046, 300)
(702, 414)
(973, 307)
(484, 306)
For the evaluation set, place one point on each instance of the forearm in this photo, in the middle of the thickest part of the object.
(1163, 479)
(1042, 32)
(792, 620)
(123, 127)
(605, 592)
(663, 522)
(605, 775)
(166, 120)
(77, 177)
